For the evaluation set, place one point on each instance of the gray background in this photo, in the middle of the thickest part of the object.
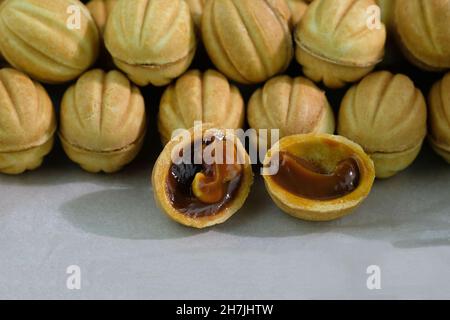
(126, 248)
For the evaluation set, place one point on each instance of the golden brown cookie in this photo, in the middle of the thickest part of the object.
(206, 97)
(152, 41)
(387, 13)
(320, 177)
(248, 40)
(439, 114)
(44, 38)
(196, 7)
(1, 57)
(386, 114)
(423, 32)
(27, 122)
(103, 121)
(335, 44)
(202, 193)
(298, 9)
(291, 105)
(100, 11)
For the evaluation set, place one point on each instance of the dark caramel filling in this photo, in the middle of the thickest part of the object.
(308, 180)
(199, 190)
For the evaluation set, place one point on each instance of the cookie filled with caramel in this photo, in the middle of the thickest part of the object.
(308, 179)
(318, 177)
(202, 177)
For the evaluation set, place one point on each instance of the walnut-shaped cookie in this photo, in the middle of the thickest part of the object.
(335, 44)
(423, 32)
(196, 7)
(291, 105)
(27, 122)
(248, 40)
(100, 11)
(152, 41)
(393, 56)
(103, 121)
(206, 97)
(387, 13)
(1, 57)
(387, 115)
(202, 177)
(439, 115)
(42, 39)
(298, 9)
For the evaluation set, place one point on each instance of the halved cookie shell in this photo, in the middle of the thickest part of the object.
(162, 172)
(326, 151)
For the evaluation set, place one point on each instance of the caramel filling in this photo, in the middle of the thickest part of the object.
(308, 180)
(199, 190)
